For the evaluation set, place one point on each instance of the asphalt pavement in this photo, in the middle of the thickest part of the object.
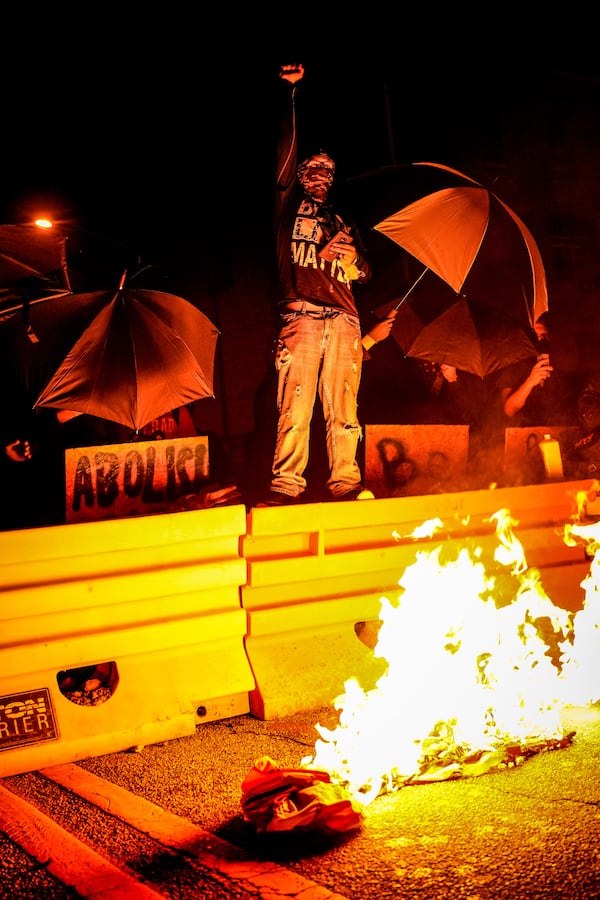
(527, 831)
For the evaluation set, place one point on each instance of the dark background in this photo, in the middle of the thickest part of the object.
(150, 139)
(149, 142)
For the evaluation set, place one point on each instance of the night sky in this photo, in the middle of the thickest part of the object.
(149, 133)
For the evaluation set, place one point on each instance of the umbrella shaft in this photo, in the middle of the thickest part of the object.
(411, 289)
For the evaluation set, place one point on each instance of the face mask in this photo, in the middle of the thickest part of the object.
(316, 175)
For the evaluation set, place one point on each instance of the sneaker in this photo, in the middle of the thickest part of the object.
(276, 498)
(359, 493)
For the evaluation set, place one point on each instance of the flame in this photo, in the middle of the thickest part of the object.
(428, 529)
(580, 655)
(585, 499)
(480, 665)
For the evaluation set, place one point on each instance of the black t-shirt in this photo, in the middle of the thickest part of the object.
(553, 403)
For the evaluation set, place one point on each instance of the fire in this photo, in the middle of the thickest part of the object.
(580, 669)
(480, 664)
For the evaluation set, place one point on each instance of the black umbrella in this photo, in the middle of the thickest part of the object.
(33, 263)
(142, 353)
(35, 339)
(467, 335)
(457, 229)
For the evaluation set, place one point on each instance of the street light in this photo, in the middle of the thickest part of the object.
(90, 253)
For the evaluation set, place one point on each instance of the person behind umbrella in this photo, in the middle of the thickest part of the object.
(583, 457)
(80, 430)
(537, 391)
(29, 495)
(453, 397)
(588, 402)
(319, 347)
(450, 396)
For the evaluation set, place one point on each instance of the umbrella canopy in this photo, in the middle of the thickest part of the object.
(144, 353)
(466, 335)
(459, 230)
(33, 262)
(35, 338)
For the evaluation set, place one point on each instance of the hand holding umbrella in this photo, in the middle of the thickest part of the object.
(381, 330)
(466, 335)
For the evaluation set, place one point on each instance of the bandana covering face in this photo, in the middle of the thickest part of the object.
(315, 175)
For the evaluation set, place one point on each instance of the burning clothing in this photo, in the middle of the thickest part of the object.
(277, 799)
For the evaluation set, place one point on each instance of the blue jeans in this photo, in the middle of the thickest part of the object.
(317, 352)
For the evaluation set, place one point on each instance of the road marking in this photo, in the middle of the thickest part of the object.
(176, 833)
(64, 857)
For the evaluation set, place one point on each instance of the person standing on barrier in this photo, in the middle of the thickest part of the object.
(319, 257)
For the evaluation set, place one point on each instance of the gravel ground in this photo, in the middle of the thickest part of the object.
(528, 831)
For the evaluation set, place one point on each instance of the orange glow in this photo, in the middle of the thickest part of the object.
(428, 529)
(580, 660)
(586, 499)
(43, 223)
(480, 664)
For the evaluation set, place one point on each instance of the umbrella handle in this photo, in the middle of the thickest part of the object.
(411, 289)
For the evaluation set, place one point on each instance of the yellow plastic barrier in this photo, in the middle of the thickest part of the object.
(316, 574)
(119, 633)
(133, 631)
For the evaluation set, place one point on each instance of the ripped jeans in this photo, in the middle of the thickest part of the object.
(317, 353)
